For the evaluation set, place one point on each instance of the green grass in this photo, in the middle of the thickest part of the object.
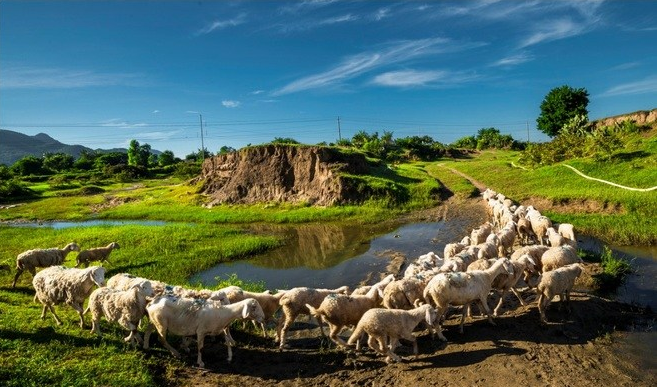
(616, 215)
(38, 353)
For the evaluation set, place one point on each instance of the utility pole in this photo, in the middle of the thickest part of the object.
(527, 122)
(339, 132)
(200, 119)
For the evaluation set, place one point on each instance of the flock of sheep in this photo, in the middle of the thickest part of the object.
(386, 312)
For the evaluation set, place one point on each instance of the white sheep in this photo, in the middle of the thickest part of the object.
(479, 235)
(505, 282)
(540, 224)
(556, 282)
(557, 239)
(31, 259)
(567, 230)
(451, 249)
(525, 232)
(506, 237)
(403, 293)
(488, 194)
(386, 326)
(125, 307)
(487, 249)
(362, 290)
(96, 254)
(424, 262)
(460, 261)
(58, 284)
(340, 310)
(268, 302)
(556, 257)
(293, 303)
(187, 317)
(125, 281)
(447, 289)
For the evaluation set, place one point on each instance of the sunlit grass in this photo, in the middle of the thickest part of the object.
(635, 223)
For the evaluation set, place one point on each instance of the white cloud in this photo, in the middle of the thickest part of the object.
(256, 92)
(119, 123)
(230, 104)
(57, 78)
(339, 19)
(355, 65)
(382, 13)
(514, 60)
(155, 111)
(408, 78)
(306, 5)
(647, 85)
(221, 24)
(557, 29)
(157, 136)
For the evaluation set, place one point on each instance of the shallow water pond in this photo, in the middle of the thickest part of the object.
(88, 223)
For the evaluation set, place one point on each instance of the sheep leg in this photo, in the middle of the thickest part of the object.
(80, 311)
(439, 329)
(228, 338)
(484, 305)
(229, 345)
(200, 337)
(18, 274)
(147, 334)
(283, 330)
(333, 335)
(464, 309)
(499, 303)
(391, 356)
(163, 340)
(515, 291)
(52, 310)
(374, 344)
(542, 304)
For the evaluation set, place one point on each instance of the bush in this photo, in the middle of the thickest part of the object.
(14, 189)
(187, 170)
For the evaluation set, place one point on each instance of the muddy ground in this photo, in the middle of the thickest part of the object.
(582, 348)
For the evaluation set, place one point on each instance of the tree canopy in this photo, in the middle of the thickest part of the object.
(559, 106)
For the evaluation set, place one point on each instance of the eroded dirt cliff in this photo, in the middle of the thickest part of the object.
(282, 173)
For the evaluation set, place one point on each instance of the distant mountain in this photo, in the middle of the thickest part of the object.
(14, 146)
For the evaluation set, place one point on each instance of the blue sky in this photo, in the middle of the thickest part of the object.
(102, 73)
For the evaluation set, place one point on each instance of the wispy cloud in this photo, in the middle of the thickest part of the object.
(647, 85)
(355, 65)
(157, 136)
(381, 14)
(155, 111)
(221, 24)
(554, 30)
(119, 123)
(256, 92)
(427, 78)
(407, 78)
(306, 5)
(625, 66)
(57, 78)
(339, 19)
(514, 60)
(230, 103)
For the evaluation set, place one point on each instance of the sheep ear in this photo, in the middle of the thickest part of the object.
(418, 302)
(245, 310)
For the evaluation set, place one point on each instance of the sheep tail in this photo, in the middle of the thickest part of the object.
(314, 312)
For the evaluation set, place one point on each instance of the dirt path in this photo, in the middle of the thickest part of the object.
(576, 349)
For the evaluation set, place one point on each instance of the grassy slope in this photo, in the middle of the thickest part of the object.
(634, 220)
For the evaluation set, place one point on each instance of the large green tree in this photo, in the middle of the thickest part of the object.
(559, 106)
(138, 155)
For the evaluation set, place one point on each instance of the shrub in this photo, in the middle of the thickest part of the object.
(14, 189)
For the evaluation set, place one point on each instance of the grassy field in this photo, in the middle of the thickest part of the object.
(616, 215)
(37, 353)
